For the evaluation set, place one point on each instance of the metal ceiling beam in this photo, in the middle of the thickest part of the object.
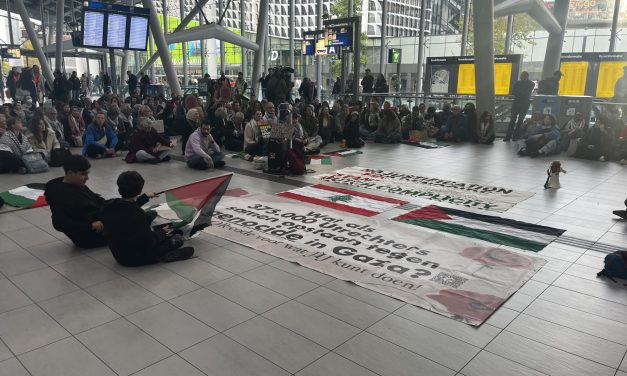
(67, 45)
(211, 31)
(535, 8)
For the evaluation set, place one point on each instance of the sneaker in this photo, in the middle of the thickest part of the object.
(248, 157)
(22, 170)
(167, 158)
(602, 159)
(534, 154)
(178, 254)
(620, 213)
(219, 164)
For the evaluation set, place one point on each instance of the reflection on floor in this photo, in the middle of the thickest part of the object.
(235, 311)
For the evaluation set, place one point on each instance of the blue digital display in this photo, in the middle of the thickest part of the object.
(309, 47)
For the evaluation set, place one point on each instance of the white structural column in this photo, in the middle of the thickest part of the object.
(421, 44)
(384, 27)
(292, 34)
(58, 56)
(465, 27)
(262, 29)
(184, 47)
(319, 58)
(203, 50)
(220, 11)
(162, 48)
(614, 31)
(242, 18)
(508, 35)
(45, 67)
(483, 22)
(556, 40)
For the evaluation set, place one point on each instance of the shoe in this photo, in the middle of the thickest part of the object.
(602, 159)
(219, 164)
(178, 254)
(154, 161)
(167, 158)
(22, 170)
(534, 154)
(248, 157)
(620, 213)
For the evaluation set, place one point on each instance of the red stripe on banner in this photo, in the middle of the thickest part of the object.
(41, 201)
(431, 212)
(329, 204)
(359, 194)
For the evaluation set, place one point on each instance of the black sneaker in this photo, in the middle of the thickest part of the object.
(620, 213)
(219, 164)
(178, 254)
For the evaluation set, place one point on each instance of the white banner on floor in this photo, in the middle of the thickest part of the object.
(484, 197)
(456, 277)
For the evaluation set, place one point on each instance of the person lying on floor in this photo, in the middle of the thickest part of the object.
(128, 231)
(75, 208)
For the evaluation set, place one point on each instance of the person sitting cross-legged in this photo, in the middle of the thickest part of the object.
(543, 140)
(100, 139)
(147, 145)
(201, 151)
(128, 231)
(75, 208)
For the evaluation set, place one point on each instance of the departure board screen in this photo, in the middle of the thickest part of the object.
(609, 73)
(138, 37)
(93, 29)
(575, 75)
(116, 32)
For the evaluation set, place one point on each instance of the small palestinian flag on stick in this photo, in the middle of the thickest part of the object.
(25, 197)
(190, 207)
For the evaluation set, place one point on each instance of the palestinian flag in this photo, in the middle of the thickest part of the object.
(25, 197)
(320, 160)
(190, 207)
(341, 199)
(484, 227)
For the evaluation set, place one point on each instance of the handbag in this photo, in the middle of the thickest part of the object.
(34, 162)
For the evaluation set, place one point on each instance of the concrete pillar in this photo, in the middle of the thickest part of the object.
(137, 62)
(162, 48)
(483, 22)
(556, 40)
(222, 59)
(384, 26)
(292, 34)
(114, 76)
(58, 55)
(203, 51)
(508, 35)
(421, 44)
(356, 65)
(184, 47)
(242, 17)
(319, 58)
(614, 30)
(465, 27)
(123, 70)
(152, 74)
(262, 29)
(45, 67)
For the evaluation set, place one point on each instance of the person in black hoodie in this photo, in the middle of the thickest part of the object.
(75, 208)
(132, 240)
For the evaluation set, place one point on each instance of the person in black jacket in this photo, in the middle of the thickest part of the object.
(75, 83)
(132, 83)
(75, 208)
(522, 99)
(132, 240)
(550, 85)
(144, 83)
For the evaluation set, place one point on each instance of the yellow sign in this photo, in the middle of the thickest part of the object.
(502, 78)
(609, 73)
(466, 79)
(575, 74)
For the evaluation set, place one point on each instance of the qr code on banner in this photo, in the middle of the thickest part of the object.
(449, 280)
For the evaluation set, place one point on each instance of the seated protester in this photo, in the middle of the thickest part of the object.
(445, 113)
(522, 132)
(131, 239)
(238, 128)
(456, 128)
(370, 121)
(100, 139)
(75, 131)
(201, 151)
(485, 129)
(389, 130)
(227, 133)
(75, 208)
(309, 123)
(621, 147)
(471, 120)
(350, 136)
(188, 125)
(254, 141)
(340, 121)
(412, 122)
(544, 140)
(270, 116)
(56, 126)
(403, 111)
(42, 139)
(572, 130)
(596, 144)
(13, 145)
(3, 124)
(148, 146)
(432, 121)
(113, 121)
(326, 126)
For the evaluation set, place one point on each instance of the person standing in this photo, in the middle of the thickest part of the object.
(132, 83)
(106, 82)
(240, 87)
(144, 83)
(367, 83)
(522, 99)
(550, 85)
(75, 83)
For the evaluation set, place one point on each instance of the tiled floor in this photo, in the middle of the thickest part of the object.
(235, 311)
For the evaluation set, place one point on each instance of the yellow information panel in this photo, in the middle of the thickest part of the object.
(609, 73)
(502, 78)
(575, 74)
(466, 79)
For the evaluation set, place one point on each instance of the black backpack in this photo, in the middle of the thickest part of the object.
(615, 266)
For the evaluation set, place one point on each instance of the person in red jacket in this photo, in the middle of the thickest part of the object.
(148, 146)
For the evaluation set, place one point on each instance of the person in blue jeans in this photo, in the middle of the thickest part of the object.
(100, 139)
(201, 150)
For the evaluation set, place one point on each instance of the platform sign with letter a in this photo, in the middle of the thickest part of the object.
(11, 53)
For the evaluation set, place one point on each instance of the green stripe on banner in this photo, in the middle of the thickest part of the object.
(16, 201)
(490, 236)
(184, 211)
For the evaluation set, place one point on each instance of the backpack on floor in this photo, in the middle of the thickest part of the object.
(276, 157)
(295, 162)
(615, 266)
